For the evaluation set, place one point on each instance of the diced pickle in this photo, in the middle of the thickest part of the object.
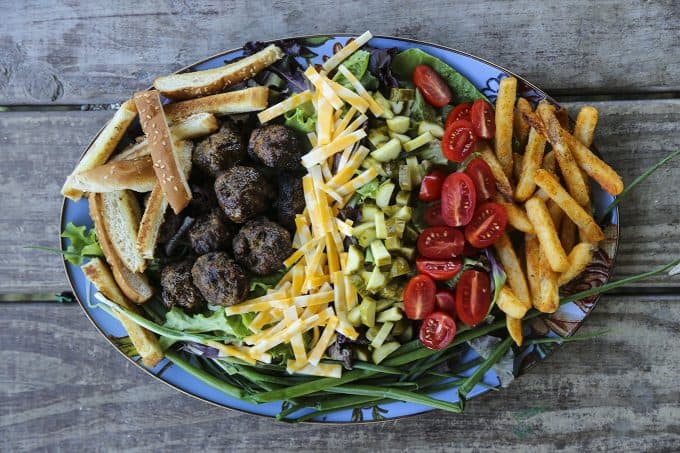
(368, 211)
(354, 316)
(381, 353)
(433, 128)
(392, 314)
(377, 281)
(367, 311)
(405, 182)
(403, 197)
(387, 151)
(381, 257)
(385, 104)
(380, 227)
(378, 136)
(384, 194)
(392, 243)
(355, 260)
(382, 334)
(383, 304)
(417, 142)
(399, 267)
(399, 124)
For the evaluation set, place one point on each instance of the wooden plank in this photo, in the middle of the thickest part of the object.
(66, 389)
(100, 52)
(40, 149)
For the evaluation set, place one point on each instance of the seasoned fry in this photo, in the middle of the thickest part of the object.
(513, 270)
(550, 163)
(585, 125)
(570, 172)
(568, 231)
(532, 251)
(516, 165)
(556, 212)
(549, 300)
(514, 327)
(547, 234)
(520, 124)
(502, 181)
(595, 167)
(575, 212)
(505, 103)
(531, 161)
(517, 217)
(510, 304)
(579, 258)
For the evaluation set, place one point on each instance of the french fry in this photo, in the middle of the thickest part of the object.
(516, 165)
(550, 163)
(579, 258)
(586, 120)
(568, 234)
(517, 217)
(570, 171)
(502, 181)
(549, 300)
(595, 167)
(520, 124)
(531, 161)
(539, 215)
(505, 103)
(514, 327)
(570, 207)
(532, 251)
(510, 304)
(556, 212)
(513, 270)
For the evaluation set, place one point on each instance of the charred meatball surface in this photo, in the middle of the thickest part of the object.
(243, 192)
(210, 233)
(290, 200)
(220, 280)
(262, 246)
(219, 151)
(178, 289)
(276, 146)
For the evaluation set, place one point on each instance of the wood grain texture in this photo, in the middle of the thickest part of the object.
(101, 52)
(63, 388)
(39, 149)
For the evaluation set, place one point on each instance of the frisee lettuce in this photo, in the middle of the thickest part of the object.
(217, 321)
(82, 244)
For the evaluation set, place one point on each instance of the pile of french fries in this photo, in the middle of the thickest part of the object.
(546, 193)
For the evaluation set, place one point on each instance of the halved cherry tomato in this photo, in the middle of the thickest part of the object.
(433, 215)
(437, 330)
(445, 301)
(419, 297)
(483, 119)
(431, 187)
(434, 89)
(459, 199)
(439, 269)
(459, 112)
(440, 242)
(487, 225)
(473, 297)
(481, 175)
(459, 140)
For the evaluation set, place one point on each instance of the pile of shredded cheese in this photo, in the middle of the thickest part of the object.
(315, 294)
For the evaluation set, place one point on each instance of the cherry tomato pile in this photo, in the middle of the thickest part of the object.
(461, 222)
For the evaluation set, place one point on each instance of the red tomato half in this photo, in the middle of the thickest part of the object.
(431, 187)
(458, 199)
(440, 242)
(433, 215)
(483, 119)
(473, 297)
(445, 301)
(487, 225)
(481, 175)
(459, 112)
(437, 331)
(459, 141)
(419, 297)
(434, 89)
(439, 269)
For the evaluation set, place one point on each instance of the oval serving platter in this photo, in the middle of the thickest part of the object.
(565, 322)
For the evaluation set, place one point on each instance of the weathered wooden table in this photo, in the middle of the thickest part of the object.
(63, 388)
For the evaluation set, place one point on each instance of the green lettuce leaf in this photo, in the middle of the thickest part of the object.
(260, 284)
(217, 321)
(83, 243)
(357, 64)
(421, 110)
(405, 63)
(433, 152)
(302, 119)
(369, 190)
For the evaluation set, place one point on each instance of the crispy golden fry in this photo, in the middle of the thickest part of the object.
(595, 167)
(562, 117)
(531, 161)
(549, 300)
(513, 270)
(579, 258)
(540, 193)
(575, 212)
(517, 217)
(556, 212)
(550, 162)
(514, 327)
(505, 103)
(532, 250)
(568, 231)
(585, 125)
(510, 304)
(502, 181)
(520, 124)
(570, 171)
(516, 165)
(547, 234)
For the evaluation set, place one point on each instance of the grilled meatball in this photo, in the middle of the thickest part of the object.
(178, 289)
(243, 193)
(220, 279)
(290, 201)
(276, 146)
(170, 225)
(219, 151)
(262, 246)
(211, 232)
(203, 199)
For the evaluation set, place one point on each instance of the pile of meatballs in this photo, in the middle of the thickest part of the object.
(245, 199)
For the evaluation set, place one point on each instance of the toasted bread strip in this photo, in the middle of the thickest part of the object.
(136, 174)
(210, 81)
(242, 101)
(154, 213)
(144, 341)
(134, 285)
(102, 147)
(163, 151)
(193, 127)
(121, 215)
